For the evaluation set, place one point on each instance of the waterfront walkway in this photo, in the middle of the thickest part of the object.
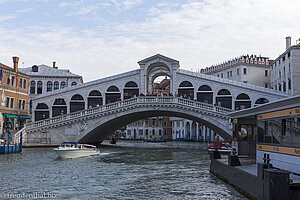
(249, 165)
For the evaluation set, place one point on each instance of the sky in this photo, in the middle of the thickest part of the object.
(99, 38)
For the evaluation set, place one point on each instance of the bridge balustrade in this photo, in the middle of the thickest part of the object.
(132, 101)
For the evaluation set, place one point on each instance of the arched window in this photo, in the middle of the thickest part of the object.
(185, 84)
(41, 111)
(224, 98)
(112, 95)
(131, 84)
(186, 90)
(261, 101)
(62, 85)
(41, 106)
(76, 103)
(59, 107)
(130, 90)
(242, 101)
(49, 86)
(113, 89)
(20, 83)
(32, 87)
(73, 83)
(30, 106)
(24, 84)
(39, 87)
(35, 68)
(205, 94)
(56, 85)
(224, 92)
(95, 99)
(23, 104)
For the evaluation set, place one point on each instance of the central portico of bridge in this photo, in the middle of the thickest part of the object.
(55, 109)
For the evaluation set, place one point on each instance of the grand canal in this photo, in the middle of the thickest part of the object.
(131, 170)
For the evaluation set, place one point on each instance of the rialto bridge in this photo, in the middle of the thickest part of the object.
(91, 111)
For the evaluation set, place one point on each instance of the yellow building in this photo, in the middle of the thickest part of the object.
(14, 91)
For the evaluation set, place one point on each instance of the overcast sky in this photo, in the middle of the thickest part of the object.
(97, 38)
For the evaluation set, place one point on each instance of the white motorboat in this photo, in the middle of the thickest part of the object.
(75, 150)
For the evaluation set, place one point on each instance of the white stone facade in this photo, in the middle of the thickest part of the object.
(44, 79)
(151, 128)
(252, 69)
(285, 70)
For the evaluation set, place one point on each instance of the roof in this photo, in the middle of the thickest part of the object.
(44, 70)
(280, 104)
(11, 69)
(158, 56)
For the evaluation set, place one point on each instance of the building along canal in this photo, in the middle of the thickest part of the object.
(130, 170)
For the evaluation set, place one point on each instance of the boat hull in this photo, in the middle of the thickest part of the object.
(221, 151)
(76, 153)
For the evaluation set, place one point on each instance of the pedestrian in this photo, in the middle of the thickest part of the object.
(16, 126)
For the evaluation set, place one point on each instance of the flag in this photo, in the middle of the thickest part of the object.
(1, 74)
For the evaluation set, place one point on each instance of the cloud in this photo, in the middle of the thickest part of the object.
(7, 17)
(198, 34)
(26, 10)
(130, 3)
(2, 1)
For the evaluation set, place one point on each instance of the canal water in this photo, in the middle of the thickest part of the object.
(130, 170)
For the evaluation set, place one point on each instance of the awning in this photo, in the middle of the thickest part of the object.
(10, 116)
(24, 116)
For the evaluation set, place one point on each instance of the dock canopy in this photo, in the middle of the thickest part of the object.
(24, 116)
(11, 116)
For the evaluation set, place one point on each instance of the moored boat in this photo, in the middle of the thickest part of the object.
(221, 147)
(75, 150)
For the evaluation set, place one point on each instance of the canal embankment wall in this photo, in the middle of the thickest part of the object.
(267, 184)
(244, 182)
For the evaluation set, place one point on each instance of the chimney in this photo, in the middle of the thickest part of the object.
(288, 42)
(55, 67)
(16, 61)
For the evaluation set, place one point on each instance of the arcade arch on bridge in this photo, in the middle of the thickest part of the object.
(205, 94)
(130, 90)
(154, 71)
(95, 99)
(224, 98)
(112, 94)
(41, 111)
(186, 90)
(59, 107)
(261, 101)
(242, 101)
(77, 103)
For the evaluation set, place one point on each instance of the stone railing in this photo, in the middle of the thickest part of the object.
(142, 100)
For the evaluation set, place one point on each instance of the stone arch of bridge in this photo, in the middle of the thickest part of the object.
(155, 70)
(101, 128)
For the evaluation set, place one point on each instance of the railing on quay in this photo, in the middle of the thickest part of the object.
(128, 102)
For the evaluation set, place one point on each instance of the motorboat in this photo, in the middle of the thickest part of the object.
(75, 150)
(221, 147)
